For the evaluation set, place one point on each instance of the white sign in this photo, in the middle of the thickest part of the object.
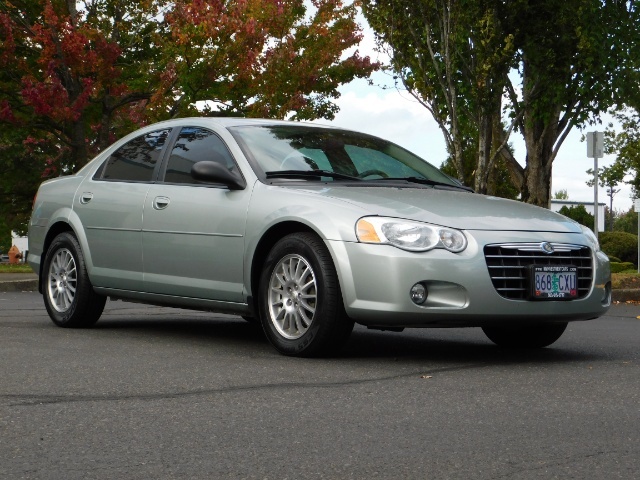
(595, 144)
(636, 205)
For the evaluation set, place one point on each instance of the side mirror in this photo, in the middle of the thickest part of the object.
(213, 172)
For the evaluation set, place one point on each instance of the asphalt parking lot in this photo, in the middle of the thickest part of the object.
(166, 393)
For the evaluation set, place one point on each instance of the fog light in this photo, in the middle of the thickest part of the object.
(418, 294)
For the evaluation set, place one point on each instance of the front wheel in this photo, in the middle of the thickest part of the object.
(68, 293)
(528, 336)
(300, 301)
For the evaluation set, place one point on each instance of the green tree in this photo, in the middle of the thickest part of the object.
(579, 214)
(626, 222)
(453, 57)
(570, 60)
(625, 144)
(561, 195)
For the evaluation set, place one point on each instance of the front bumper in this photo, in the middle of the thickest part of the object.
(376, 280)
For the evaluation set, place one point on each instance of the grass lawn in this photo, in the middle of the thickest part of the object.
(19, 268)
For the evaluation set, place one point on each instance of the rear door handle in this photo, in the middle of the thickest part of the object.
(86, 197)
(160, 203)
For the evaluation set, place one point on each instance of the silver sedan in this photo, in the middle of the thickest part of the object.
(306, 229)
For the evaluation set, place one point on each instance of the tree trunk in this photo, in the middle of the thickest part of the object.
(540, 136)
(79, 154)
(485, 141)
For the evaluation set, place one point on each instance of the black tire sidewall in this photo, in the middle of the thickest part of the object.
(329, 302)
(75, 315)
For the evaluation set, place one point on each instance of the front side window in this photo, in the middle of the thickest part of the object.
(195, 145)
(136, 159)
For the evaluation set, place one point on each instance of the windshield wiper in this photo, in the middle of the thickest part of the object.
(424, 181)
(310, 174)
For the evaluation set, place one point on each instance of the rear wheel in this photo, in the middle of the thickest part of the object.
(300, 301)
(68, 293)
(528, 336)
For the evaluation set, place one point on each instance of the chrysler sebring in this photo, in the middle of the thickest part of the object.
(307, 230)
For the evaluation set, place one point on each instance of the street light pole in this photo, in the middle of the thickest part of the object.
(595, 150)
(610, 193)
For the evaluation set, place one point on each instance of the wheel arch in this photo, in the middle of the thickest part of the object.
(55, 230)
(264, 246)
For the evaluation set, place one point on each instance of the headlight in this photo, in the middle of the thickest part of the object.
(592, 238)
(408, 235)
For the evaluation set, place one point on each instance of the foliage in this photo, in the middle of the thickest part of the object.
(5, 237)
(579, 214)
(625, 143)
(621, 245)
(561, 195)
(618, 267)
(626, 222)
(76, 75)
(259, 58)
(499, 182)
(454, 58)
(571, 59)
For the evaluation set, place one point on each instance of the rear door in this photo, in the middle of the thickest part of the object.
(193, 233)
(110, 207)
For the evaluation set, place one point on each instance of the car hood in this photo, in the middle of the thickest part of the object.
(462, 210)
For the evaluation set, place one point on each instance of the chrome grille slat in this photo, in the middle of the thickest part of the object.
(508, 264)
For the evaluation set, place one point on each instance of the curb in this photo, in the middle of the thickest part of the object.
(30, 285)
(625, 295)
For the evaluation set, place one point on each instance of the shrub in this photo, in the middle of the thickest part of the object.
(621, 245)
(579, 214)
(613, 259)
(617, 267)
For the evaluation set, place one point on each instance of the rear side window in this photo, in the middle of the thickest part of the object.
(136, 159)
(192, 146)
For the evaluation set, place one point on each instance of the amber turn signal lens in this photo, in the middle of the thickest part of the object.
(367, 232)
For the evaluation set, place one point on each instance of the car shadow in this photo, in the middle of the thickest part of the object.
(203, 330)
(453, 345)
(412, 345)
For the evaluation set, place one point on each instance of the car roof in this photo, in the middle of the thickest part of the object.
(239, 121)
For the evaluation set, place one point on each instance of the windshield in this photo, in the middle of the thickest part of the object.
(299, 148)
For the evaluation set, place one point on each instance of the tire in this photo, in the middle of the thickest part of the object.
(529, 336)
(67, 291)
(300, 301)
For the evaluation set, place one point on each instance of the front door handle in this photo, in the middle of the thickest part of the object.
(160, 203)
(86, 197)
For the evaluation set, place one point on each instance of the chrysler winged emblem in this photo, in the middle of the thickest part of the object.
(546, 247)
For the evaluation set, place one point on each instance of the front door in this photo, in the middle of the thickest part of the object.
(193, 234)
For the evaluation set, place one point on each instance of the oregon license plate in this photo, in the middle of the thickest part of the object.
(553, 282)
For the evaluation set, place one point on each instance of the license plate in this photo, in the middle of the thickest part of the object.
(554, 282)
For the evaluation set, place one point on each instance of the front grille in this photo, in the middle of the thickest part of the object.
(509, 263)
